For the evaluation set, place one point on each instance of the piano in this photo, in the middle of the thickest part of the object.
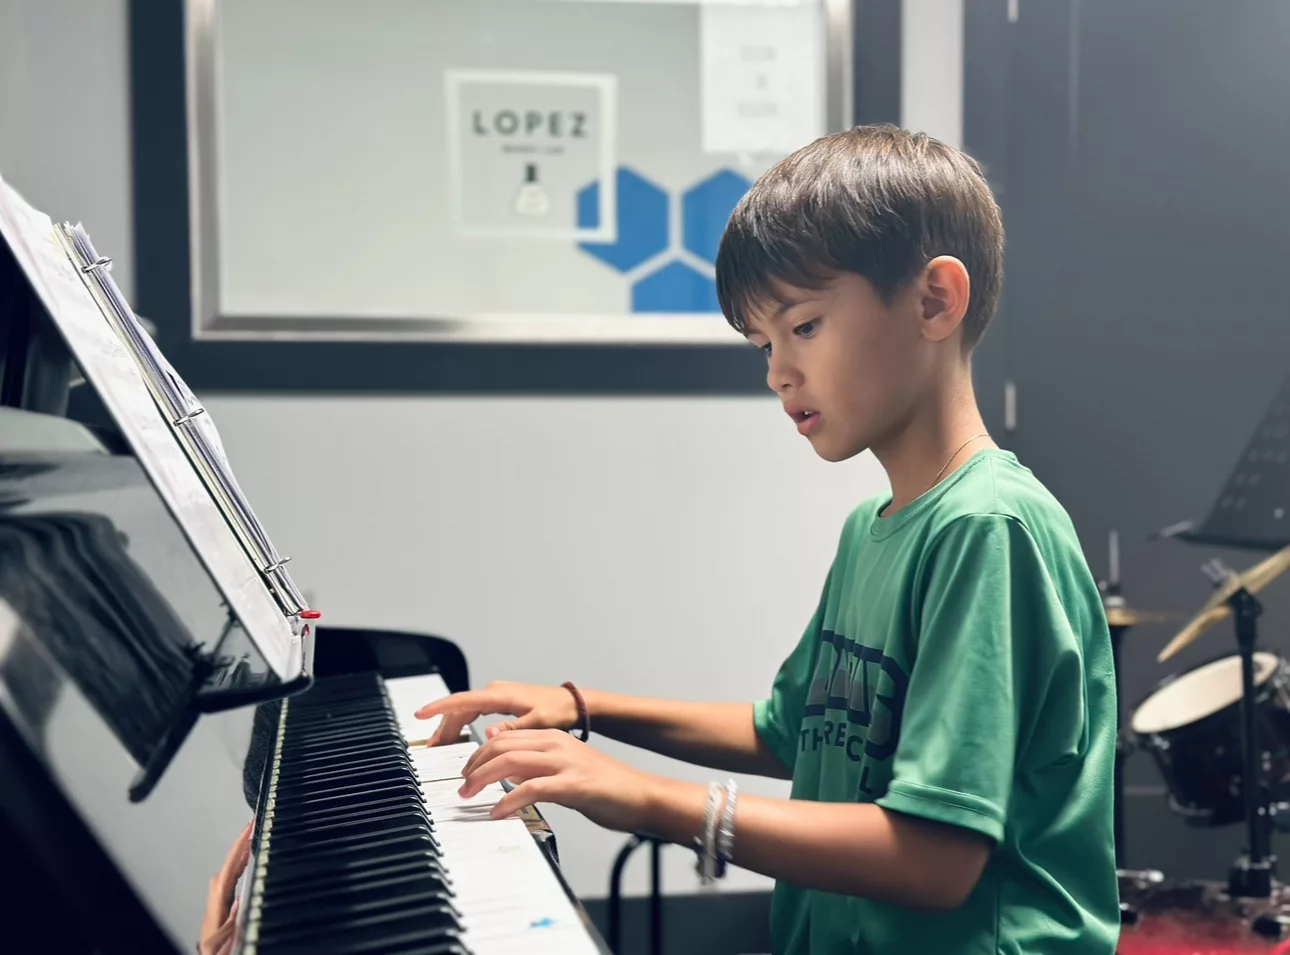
(190, 759)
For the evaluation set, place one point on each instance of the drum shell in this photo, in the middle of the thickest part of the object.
(1201, 762)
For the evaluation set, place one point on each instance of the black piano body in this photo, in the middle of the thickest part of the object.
(140, 730)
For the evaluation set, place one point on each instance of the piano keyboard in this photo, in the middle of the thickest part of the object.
(365, 848)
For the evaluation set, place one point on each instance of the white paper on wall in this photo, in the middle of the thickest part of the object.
(762, 76)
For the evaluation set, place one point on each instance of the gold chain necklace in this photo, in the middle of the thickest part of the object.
(937, 479)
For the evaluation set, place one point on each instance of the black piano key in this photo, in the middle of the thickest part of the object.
(284, 891)
(305, 736)
(412, 835)
(320, 771)
(358, 835)
(339, 884)
(345, 905)
(338, 797)
(304, 718)
(291, 824)
(345, 824)
(324, 837)
(358, 772)
(387, 757)
(454, 947)
(294, 760)
(339, 788)
(287, 870)
(408, 943)
(337, 715)
(351, 808)
(352, 866)
(352, 849)
(427, 921)
(336, 741)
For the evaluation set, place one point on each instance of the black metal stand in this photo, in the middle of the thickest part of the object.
(615, 918)
(1113, 600)
(1117, 636)
(1254, 874)
(1255, 490)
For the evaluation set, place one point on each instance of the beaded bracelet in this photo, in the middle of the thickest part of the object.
(584, 716)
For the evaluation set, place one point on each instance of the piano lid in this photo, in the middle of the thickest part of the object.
(110, 631)
(165, 426)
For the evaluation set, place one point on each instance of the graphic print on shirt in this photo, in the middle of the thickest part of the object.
(854, 705)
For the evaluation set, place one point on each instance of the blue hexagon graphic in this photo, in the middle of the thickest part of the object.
(707, 209)
(676, 287)
(642, 221)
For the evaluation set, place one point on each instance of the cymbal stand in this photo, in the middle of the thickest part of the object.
(1253, 874)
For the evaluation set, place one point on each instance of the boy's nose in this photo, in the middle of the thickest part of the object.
(781, 377)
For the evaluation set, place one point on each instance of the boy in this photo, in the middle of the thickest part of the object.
(948, 719)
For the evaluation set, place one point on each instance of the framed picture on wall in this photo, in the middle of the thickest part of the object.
(463, 194)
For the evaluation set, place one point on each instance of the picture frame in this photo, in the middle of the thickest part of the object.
(177, 204)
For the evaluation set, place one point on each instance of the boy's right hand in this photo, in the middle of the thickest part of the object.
(536, 707)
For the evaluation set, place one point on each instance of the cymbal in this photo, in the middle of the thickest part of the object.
(1254, 580)
(1128, 617)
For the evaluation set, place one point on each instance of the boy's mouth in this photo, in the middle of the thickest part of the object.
(806, 418)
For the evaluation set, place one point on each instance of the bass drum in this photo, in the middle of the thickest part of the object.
(1191, 726)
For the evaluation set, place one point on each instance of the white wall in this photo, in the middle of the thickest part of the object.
(657, 546)
(64, 116)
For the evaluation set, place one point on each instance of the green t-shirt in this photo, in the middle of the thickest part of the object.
(959, 669)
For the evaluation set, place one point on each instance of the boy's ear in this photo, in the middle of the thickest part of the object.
(944, 290)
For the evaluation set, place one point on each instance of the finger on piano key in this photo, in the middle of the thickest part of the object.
(407, 695)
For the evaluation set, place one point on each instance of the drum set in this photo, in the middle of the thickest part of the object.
(1219, 733)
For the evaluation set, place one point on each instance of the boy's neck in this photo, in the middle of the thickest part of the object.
(939, 437)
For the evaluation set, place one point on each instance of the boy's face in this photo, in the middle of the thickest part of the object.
(849, 367)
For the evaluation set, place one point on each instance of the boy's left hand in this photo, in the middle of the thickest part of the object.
(552, 766)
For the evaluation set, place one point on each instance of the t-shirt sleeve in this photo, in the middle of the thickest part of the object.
(996, 655)
(778, 718)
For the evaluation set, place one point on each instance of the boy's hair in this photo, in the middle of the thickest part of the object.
(877, 201)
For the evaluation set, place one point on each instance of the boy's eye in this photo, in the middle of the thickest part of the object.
(765, 350)
(806, 329)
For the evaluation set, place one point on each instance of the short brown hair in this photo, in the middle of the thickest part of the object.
(876, 201)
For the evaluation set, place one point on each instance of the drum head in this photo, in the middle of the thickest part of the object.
(1198, 693)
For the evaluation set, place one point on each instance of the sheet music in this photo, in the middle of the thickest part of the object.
(116, 376)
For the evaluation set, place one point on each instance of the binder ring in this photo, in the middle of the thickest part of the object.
(102, 262)
(276, 565)
(189, 417)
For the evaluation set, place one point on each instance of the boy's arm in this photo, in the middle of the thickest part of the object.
(860, 850)
(719, 735)
(845, 848)
(752, 738)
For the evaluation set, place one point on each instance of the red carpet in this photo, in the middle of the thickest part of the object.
(1180, 935)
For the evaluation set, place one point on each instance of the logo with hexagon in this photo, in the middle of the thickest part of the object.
(665, 276)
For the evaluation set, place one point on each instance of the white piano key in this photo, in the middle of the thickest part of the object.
(441, 762)
(407, 695)
(509, 899)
